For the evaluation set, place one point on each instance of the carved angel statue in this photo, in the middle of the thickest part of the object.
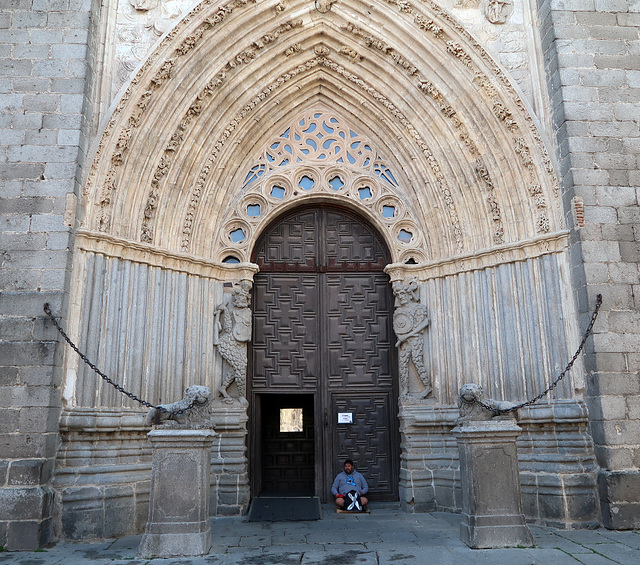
(410, 319)
(231, 332)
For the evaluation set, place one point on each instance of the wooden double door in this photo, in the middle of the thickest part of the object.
(323, 341)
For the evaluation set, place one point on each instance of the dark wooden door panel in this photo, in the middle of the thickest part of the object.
(323, 324)
(285, 336)
(368, 439)
(358, 333)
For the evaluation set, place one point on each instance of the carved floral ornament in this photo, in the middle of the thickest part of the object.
(492, 86)
(319, 156)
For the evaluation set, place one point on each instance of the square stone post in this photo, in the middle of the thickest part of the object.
(491, 502)
(179, 522)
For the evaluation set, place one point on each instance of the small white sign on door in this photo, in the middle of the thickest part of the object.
(345, 418)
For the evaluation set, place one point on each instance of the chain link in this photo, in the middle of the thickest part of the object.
(496, 411)
(554, 384)
(47, 311)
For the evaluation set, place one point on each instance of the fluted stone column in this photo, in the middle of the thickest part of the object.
(491, 502)
(179, 523)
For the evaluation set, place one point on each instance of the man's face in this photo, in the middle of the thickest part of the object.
(348, 468)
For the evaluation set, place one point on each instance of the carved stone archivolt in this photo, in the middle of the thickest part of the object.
(461, 171)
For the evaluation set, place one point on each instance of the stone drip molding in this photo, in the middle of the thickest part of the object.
(360, 83)
(243, 57)
(500, 110)
(103, 216)
(509, 253)
(136, 252)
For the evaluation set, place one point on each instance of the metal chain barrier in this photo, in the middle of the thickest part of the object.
(554, 384)
(47, 311)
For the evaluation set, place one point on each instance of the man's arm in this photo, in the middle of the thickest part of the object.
(336, 485)
(365, 485)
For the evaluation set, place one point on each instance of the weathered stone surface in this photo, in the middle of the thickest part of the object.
(178, 524)
(491, 503)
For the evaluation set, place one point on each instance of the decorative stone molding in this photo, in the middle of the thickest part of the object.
(319, 156)
(521, 251)
(497, 11)
(97, 242)
(468, 56)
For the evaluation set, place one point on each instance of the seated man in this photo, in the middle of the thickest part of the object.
(345, 484)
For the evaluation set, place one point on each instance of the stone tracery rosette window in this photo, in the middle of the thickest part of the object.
(320, 157)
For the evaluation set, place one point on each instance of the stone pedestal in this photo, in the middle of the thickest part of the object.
(491, 503)
(179, 523)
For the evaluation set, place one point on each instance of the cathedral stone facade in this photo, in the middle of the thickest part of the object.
(340, 209)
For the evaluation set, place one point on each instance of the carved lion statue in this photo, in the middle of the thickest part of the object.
(198, 416)
(469, 399)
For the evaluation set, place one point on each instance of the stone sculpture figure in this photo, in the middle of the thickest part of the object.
(498, 11)
(472, 404)
(193, 411)
(232, 331)
(410, 319)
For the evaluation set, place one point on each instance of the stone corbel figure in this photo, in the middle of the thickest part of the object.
(474, 406)
(410, 320)
(192, 412)
(231, 332)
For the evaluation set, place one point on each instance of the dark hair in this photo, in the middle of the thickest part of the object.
(348, 461)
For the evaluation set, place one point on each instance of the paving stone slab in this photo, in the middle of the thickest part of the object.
(337, 557)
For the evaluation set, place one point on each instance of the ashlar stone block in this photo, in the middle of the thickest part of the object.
(492, 513)
(178, 523)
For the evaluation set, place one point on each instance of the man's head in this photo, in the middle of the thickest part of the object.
(348, 466)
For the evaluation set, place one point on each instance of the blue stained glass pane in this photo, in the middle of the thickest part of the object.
(306, 183)
(270, 158)
(388, 211)
(350, 158)
(320, 136)
(342, 135)
(355, 144)
(405, 236)
(326, 128)
(322, 156)
(341, 160)
(305, 151)
(253, 210)
(296, 137)
(317, 115)
(287, 148)
(275, 145)
(352, 133)
(313, 144)
(338, 149)
(327, 143)
(286, 134)
(277, 192)
(333, 120)
(336, 183)
(284, 162)
(231, 259)
(367, 148)
(364, 192)
(310, 129)
(366, 162)
(301, 122)
(390, 175)
(238, 235)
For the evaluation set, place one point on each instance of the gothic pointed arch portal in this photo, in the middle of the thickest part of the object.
(447, 166)
(323, 344)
